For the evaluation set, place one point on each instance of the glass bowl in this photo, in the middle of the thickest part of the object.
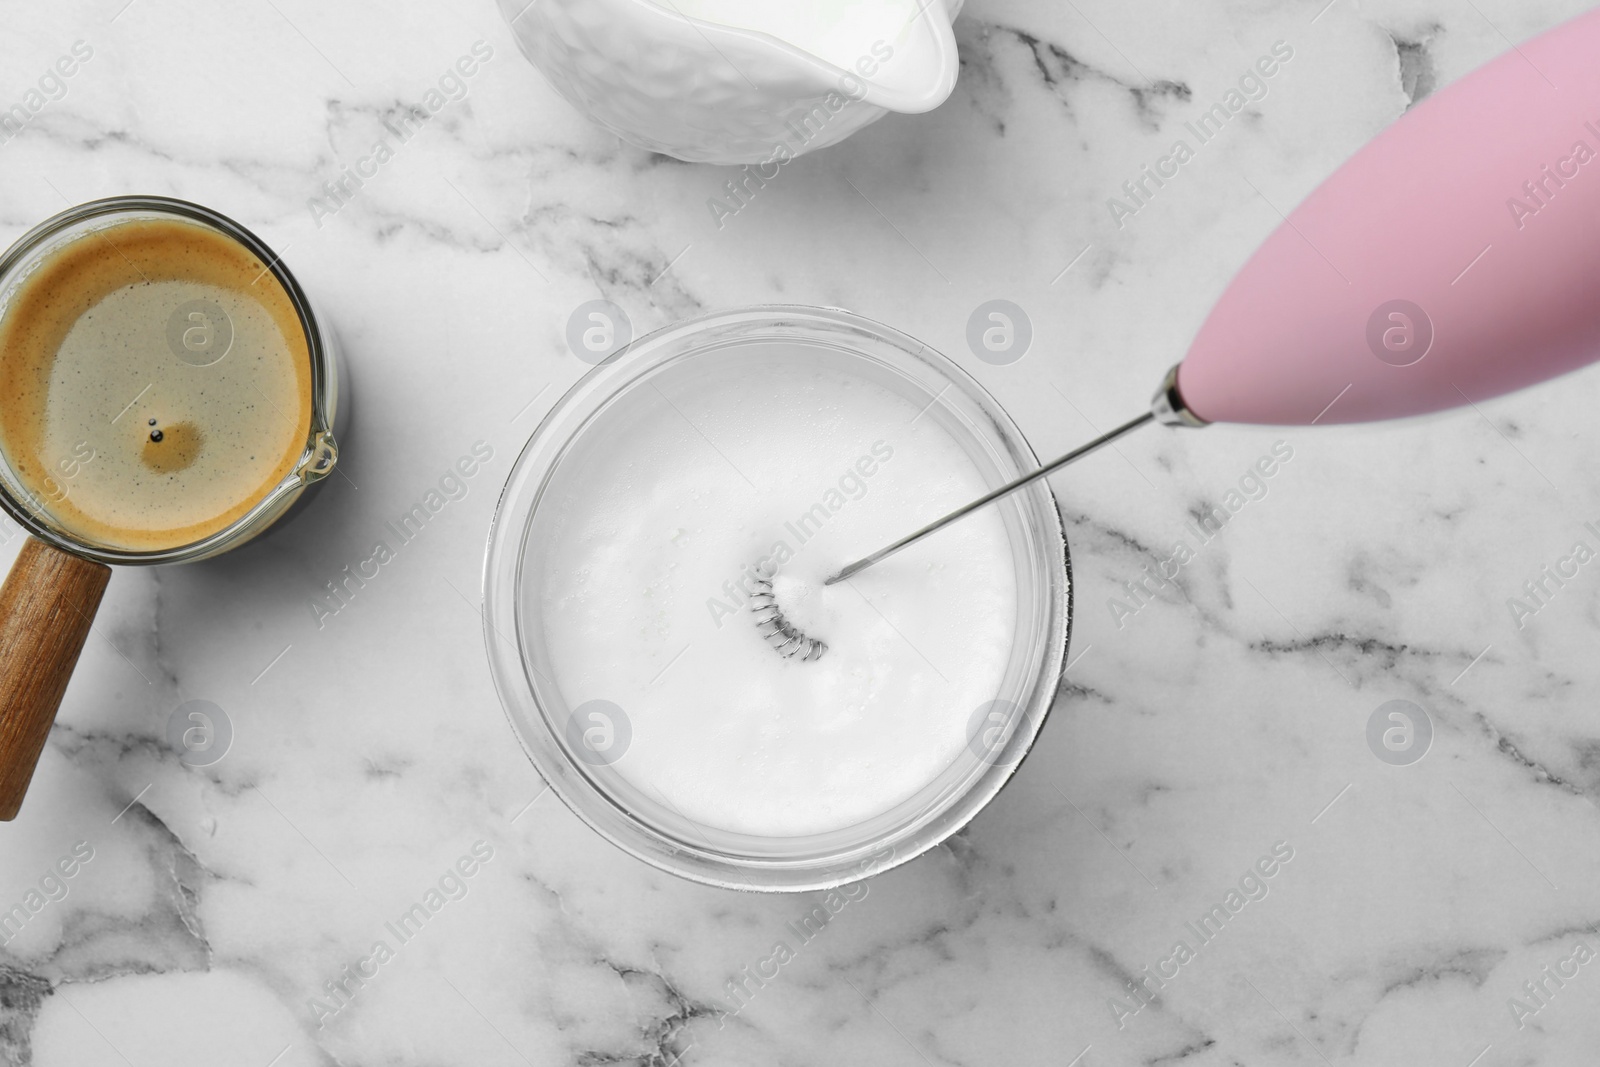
(1001, 732)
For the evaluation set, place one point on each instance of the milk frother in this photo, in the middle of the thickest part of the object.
(1454, 258)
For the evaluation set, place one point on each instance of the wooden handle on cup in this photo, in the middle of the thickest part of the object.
(46, 606)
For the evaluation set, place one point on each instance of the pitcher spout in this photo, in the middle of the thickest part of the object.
(916, 70)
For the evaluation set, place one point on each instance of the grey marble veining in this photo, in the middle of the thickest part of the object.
(1210, 720)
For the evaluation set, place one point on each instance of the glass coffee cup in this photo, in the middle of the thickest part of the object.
(166, 393)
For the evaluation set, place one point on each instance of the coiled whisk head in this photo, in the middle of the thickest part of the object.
(787, 641)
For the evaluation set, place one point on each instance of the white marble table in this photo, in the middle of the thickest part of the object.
(1224, 717)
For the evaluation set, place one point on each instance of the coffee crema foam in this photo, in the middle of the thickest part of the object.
(155, 384)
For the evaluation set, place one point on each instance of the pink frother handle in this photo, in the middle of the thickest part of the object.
(1456, 256)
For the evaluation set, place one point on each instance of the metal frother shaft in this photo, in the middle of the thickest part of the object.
(1166, 407)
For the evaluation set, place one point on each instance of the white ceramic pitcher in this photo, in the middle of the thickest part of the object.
(710, 92)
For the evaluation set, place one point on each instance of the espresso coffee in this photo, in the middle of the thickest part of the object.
(155, 384)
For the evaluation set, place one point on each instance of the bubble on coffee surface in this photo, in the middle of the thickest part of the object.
(175, 448)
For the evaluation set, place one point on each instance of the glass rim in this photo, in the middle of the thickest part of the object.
(320, 451)
(519, 691)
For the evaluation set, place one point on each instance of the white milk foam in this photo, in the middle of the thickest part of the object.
(777, 454)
